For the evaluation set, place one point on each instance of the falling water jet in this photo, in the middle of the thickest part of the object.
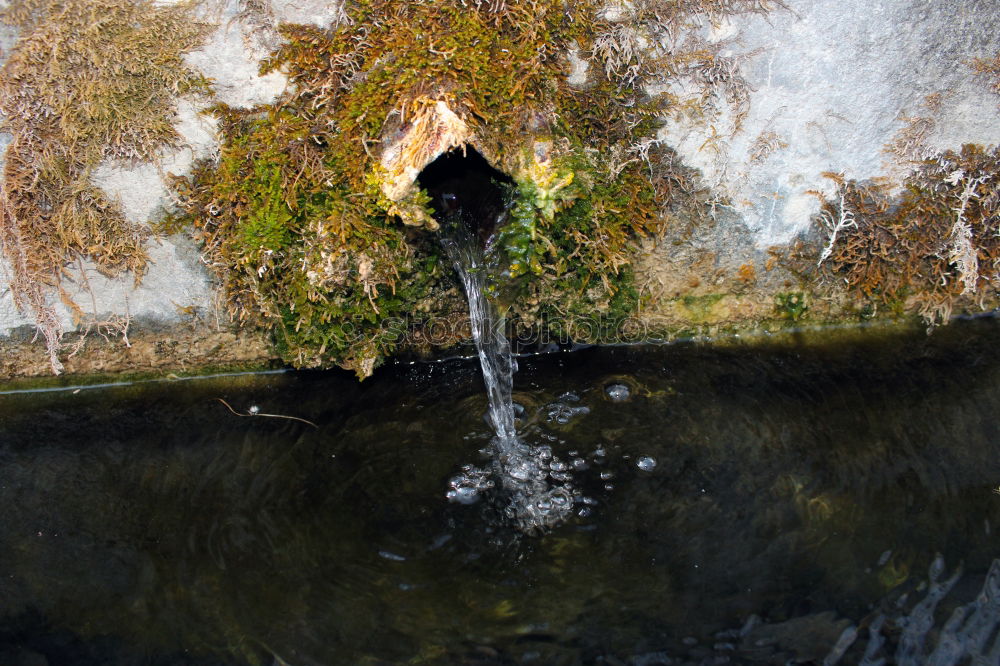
(469, 203)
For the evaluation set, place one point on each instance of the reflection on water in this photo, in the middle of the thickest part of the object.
(750, 504)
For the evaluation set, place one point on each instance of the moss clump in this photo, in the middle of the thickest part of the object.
(926, 249)
(701, 309)
(88, 80)
(300, 214)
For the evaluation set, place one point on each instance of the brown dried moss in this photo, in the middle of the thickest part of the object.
(988, 69)
(927, 250)
(88, 81)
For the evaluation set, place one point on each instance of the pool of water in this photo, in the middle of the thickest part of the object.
(741, 503)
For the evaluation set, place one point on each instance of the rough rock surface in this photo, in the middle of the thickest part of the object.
(188, 347)
(833, 85)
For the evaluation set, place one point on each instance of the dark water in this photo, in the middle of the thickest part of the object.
(806, 488)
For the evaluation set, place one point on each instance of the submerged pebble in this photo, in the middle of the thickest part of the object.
(388, 555)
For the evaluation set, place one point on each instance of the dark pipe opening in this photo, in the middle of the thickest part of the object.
(463, 185)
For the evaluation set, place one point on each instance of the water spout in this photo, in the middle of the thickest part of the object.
(463, 185)
(536, 499)
(470, 205)
(488, 333)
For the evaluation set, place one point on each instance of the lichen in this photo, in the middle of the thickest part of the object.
(87, 81)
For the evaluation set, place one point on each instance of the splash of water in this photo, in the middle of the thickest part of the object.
(539, 492)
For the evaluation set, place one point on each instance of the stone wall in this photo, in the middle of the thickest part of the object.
(862, 89)
(832, 86)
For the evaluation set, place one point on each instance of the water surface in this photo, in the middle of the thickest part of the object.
(802, 488)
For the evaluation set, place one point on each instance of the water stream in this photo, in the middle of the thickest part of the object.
(536, 484)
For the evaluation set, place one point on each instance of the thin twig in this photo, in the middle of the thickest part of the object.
(273, 416)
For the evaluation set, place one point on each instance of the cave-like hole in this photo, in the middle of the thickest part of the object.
(464, 186)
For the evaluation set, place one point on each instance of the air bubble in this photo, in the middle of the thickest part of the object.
(617, 392)
(519, 472)
(646, 463)
(463, 495)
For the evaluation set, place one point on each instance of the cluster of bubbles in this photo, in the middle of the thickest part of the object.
(564, 410)
(542, 493)
(467, 487)
(536, 486)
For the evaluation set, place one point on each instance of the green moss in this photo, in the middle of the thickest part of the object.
(791, 306)
(296, 217)
(266, 226)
